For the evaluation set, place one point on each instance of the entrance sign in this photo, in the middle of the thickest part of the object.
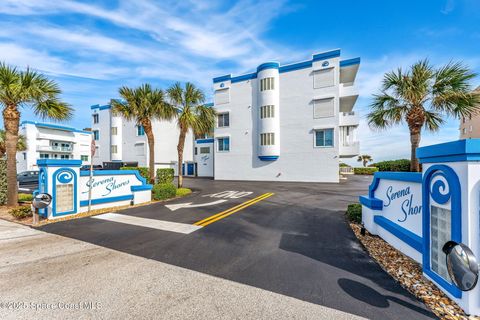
(74, 191)
(433, 216)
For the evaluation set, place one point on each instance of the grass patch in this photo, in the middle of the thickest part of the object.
(183, 192)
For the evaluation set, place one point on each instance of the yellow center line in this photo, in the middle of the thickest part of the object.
(226, 213)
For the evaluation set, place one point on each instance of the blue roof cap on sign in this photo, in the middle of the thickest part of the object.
(454, 151)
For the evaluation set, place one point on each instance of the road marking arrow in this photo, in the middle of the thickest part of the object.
(177, 206)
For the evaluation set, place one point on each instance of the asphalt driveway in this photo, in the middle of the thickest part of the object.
(288, 238)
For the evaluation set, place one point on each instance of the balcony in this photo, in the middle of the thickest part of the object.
(54, 149)
(349, 149)
(348, 96)
(348, 119)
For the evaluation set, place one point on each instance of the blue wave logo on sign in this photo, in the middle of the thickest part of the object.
(325, 64)
(222, 85)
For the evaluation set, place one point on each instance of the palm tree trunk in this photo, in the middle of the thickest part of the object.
(11, 120)
(415, 142)
(147, 126)
(180, 147)
(365, 163)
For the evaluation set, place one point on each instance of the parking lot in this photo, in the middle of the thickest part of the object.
(287, 238)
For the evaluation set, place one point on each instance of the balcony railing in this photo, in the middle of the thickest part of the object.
(348, 119)
(54, 148)
(349, 148)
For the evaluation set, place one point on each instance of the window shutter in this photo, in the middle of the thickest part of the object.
(222, 96)
(323, 78)
(323, 108)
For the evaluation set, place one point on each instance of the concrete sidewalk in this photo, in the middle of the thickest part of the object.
(53, 277)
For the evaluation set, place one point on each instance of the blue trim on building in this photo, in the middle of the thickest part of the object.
(59, 162)
(401, 233)
(349, 62)
(268, 65)
(326, 55)
(144, 187)
(244, 77)
(289, 67)
(268, 158)
(84, 173)
(59, 178)
(84, 203)
(372, 203)
(391, 175)
(454, 196)
(198, 141)
(97, 106)
(222, 78)
(460, 150)
(295, 66)
(210, 104)
(43, 187)
(54, 126)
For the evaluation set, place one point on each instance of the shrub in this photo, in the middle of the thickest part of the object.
(162, 191)
(3, 181)
(165, 175)
(393, 165)
(142, 170)
(24, 197)
(21, 212)
(342, 165)
(354, 212)
(183, 192)
(365, 171)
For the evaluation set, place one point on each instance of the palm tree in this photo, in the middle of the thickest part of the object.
(192, 114)
(422, 97)
(142, 105)
(365, 158)
(21, 144)
(25, 89)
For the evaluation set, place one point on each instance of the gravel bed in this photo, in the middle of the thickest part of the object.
(409, 274)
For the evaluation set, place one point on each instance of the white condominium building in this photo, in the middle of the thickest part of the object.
(117, 139)
(287, 122)
(52, 141)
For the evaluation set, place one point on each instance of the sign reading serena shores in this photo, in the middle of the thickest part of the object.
(418, 213)
(69, 187)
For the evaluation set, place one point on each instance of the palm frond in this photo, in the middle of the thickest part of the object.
(433, 120)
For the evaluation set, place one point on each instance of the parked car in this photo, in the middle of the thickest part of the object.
(27, 177)
(95, 167)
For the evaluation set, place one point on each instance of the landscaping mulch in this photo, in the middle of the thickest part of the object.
(409, 274)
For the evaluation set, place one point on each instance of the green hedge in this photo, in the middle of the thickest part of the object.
(183, 192)
(365, 171)
(142, 170)
(163, 191)
(393, 165)
(165, 175)
(25, 197)
(354, 212)
(3, 181)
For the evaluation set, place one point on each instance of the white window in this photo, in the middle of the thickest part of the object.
(223, 144)
(44, 155)
(96, 155)
(464, 130)
(139, 149)
(114, 131)
(95, 118)
(114, 148)
(204, 150)
(267, 139)
(267, 84)
(267, 111)
(440, 224)
(324, 138)
(222, 96)
(323, 108)
(84, 158)
(471, 128)
(323, 78)
(223, 120)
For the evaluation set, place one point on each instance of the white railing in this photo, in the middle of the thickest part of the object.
(54, 148)
(346, 170)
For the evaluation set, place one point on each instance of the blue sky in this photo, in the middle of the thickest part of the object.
(93, 47)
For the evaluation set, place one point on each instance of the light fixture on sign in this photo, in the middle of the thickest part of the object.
(325, 64)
